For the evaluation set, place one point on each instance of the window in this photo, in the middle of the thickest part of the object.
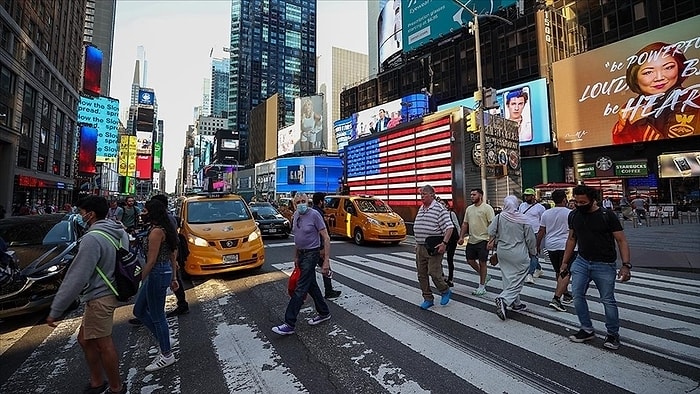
(5, 115)
(41, 163)
(7, 82)
(29, 98)
(23, 156)
(56, 167)
(639, 11)
(27, 128)
(57, 143)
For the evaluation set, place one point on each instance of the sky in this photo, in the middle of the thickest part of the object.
(178, 36)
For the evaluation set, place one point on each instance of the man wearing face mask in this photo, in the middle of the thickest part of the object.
(95, 334)
(595, 231)
(308, 229)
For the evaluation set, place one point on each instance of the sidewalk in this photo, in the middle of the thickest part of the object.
(668, 246)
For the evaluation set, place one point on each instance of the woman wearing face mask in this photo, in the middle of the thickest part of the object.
(308, 229)
(160, 248)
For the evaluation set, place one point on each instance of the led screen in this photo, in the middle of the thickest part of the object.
(102, 113)
(93, 70)
(87, 150)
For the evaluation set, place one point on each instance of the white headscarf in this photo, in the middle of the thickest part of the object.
(510, 211)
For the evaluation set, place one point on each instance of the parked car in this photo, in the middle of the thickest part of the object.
(269, 220)
(43, 247)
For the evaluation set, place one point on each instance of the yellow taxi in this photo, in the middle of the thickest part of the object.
(221, 234)
(363, 218)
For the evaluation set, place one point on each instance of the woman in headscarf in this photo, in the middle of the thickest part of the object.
(516, 243)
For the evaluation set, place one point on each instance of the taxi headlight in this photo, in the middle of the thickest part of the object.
(254, 235)
(197, 241)
(373, 221)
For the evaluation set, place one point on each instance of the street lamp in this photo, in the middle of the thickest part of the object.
(479, 95)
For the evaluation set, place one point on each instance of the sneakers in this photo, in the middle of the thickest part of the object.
(519, 308)
(567, 299)
(529, 279)
(180, 310)
(479, 292)
(95, 390)
(283, 329)
(500, 308)
(582, 336)
(332, 294)
(122, 391)
(161, 362)
(318, 319)
(556, 304)
(538, 273)
(135, 321)
(426, 304)
(446, 297)
(449, 282)
(612, 342)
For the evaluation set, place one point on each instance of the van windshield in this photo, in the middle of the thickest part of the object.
(202, 212)
(372, 205)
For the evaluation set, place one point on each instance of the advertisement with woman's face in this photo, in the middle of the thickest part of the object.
(644, 88)
(389, 30)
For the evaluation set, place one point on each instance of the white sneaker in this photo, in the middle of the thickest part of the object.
(529, 279)
(538, 273)
(161, 362)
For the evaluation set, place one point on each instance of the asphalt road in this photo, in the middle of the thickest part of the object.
(378, 340)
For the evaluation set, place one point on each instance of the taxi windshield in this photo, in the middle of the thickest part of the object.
(372, 205)
(202, 212)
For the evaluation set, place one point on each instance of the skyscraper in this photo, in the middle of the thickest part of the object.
(273, 50)
(219, 87)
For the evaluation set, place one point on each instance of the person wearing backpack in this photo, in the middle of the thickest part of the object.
(82, 278)
(159, 274)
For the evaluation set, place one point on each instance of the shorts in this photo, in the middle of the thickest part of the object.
(98, 318)
(477, 251)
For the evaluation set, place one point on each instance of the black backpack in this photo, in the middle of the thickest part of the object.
(127, 271)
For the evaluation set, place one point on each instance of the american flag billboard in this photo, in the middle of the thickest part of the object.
(394, 165)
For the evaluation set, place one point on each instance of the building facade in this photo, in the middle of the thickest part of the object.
(272, 50)
(219, 88)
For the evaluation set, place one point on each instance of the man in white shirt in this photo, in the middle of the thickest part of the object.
(533, 211)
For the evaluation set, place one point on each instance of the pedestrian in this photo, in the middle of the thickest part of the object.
(607, 203)
(516, 244)
(115, 212)
(639, 205)
(308, 229)
(95, 333)
(625, 208)
(475, 225)
(158, 274)
(595, 231)
(554, 230)
(533, 211)
(432, 220)
(452, 245)
(130, 215)
(318, 204)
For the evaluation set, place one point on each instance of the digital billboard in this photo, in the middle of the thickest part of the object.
(102, 113)
(527, 104)
(145, 143)
(157, 156)
(287, 139)
(679, 165)
(342, 129)
(386, 116)
(146, 97)
(92, 75)
(643, 88)
(312, 125)
(426, 20)
(392, 165)
(144, 166)
(87, 150)
(144, 119)
(389, 30)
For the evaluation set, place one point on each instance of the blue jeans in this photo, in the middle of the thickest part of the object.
(150, 303)
(534, 264)
(603, 275)
(306, 284)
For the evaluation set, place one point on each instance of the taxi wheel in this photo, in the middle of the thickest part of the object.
(359, 238)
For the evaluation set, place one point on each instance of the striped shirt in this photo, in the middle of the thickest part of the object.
(435, 220)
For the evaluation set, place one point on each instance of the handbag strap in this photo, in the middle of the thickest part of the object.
(99, 271)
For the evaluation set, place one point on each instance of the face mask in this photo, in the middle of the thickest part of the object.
(80, 220)
(302, 208)
(585, 208)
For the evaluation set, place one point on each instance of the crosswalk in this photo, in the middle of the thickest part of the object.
(380, 341)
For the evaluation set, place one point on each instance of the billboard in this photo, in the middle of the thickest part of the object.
(144, 166)
(643, 88)
(312, 126)
(146, 97)
(92, 74)
(527, 104)
(679, 165)
(102, 113)
(144, 142)
(287, 139)
(87, 150)
(392, 165)
(342, 129)
(386, 116)
(157, 156)
(426, 20)
(389, 30)
(144, 119)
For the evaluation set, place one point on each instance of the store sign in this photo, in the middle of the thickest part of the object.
(295, 175)
(585, 170)
(631, 168)
(679, 165)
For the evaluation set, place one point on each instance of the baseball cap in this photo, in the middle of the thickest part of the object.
(529, 191)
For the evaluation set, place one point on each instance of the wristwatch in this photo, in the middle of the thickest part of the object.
(444, 242)
(628, 265)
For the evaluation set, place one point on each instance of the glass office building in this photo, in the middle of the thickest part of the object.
(273, 50)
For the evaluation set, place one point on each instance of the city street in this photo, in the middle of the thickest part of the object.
(378, 340)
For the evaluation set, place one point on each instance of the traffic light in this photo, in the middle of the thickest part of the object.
(472, 125)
